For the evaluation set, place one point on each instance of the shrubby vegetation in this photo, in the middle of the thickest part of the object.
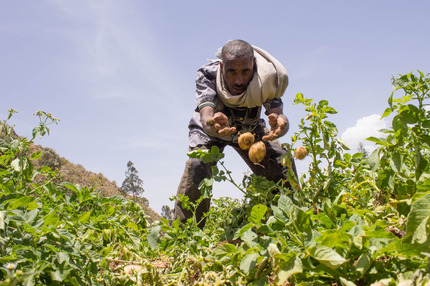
(350, 220)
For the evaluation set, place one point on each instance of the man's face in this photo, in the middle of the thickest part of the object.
(237, 74)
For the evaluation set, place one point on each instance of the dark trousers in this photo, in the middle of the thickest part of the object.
(195, 171)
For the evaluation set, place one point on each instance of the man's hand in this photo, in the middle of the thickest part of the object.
(278, 126)
(215, 125)
(219, 125)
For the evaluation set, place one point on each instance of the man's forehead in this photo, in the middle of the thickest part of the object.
(231, 56)
(242, 61)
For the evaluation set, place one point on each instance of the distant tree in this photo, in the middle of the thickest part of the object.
(361, 149)
(167, 212)
(132, 184)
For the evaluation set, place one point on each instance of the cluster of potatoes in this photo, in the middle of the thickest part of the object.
(257, 150)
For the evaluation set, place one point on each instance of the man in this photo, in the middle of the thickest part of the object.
(230, 93)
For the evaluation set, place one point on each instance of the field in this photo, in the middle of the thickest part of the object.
(352, 219)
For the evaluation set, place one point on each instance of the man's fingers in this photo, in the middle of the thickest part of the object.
(273, 119)
(219, 123)
(221, 118)
(223, 132)
(281, 122)
(269, 136)
(227, 131)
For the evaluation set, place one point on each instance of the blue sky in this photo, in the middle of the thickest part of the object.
(120, 74)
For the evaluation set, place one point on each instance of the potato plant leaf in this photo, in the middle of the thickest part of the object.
(326, 256)
(25, 201)
(257, 213)
(153, 236)
(345, 282)
(84, 217)
(418, 220)
(248, 262)
(288, 265)
(224, 249)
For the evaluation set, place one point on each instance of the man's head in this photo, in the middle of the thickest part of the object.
(237, 65)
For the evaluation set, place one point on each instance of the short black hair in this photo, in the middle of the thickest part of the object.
(237, 49)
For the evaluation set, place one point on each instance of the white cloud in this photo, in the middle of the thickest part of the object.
(365, 127)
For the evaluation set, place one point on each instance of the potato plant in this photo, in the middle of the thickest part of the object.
(350, 220)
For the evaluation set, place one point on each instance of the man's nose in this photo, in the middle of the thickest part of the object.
(239, 80)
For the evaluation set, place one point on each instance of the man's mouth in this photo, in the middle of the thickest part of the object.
(238, 89)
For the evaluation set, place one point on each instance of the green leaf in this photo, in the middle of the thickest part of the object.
(387, 112)
(379, 141)
(396, 162)
(285, 204)
(300, 99)
(30, 216)
(289, 264)
(22, 202)
(61, 272)
(357, 236)
(364, 262)
(2, 220)
(335, 238)
(373, 160)
(250, 238)
(224, 249)
(242, 230)
(343, 143)
(248, 262)
(302, 221)
(83, 218)
(279, 214)
(16, 165)
(409, 113)
(153, 236)
(62, 257)
(418, 218)
(326, 256)
(257, 213)
(135, 238)
(323, 219)
(329, 110)
(51, 219)
(346, 282)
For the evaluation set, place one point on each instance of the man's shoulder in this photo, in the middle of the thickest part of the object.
(211, 68)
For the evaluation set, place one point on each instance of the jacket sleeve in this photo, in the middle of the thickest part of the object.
(273, 103)
(206, 86)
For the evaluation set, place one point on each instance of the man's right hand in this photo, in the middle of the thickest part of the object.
(215, 125)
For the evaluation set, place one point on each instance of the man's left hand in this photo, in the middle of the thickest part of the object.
(278, 126)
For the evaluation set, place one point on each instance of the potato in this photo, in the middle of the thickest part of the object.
(257, 152)
(246, 140)
(300, 153)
